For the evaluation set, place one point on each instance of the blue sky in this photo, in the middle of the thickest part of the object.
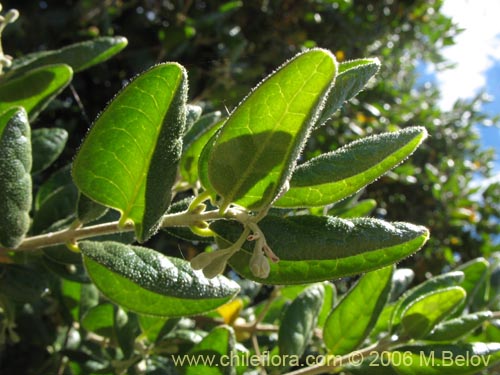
(477, 58)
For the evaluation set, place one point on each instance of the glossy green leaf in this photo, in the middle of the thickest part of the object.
(313, 248)
(100, 319)
(47, 144)
(476, 273)
(352, 77)
(453, 329)
(35, 89)
(456, 359)
(145, 281)
(348, 325)
(334, 176)
(79, 56)
(218, 345)
(15, 178)
(257, 148)
(423, 314)
(194, 142)
(299, 320)
(129, 159)
(436, 283)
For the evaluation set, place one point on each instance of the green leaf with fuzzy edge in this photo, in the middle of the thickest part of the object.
(258, 145)
(299, 320)
(348, 325)
(34, 89)
(129, 159)
(436, 283)
(147, 282)
(334, 176)
(313, 248)
(194, 142)
(352, 77)
(453, 329)
(79, 56)
(423, 314)
(15, 178)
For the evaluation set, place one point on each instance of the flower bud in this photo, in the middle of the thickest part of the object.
(11, 16)
(201, 261)
(259, 264)
(216, 267)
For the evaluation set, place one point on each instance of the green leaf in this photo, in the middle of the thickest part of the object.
(203, 165)
(126, 326)
(70, 298)
(353, 76)
(153, 326)
(257, 148)
(382, 326)
(34, 89)
(129, 159)
(79, 56)
(348, 325)
(476, 273)
(456, 359)
(362, 208)
(100, 319)
(436, 283)
(336, 175)
(55, 201)
(147, 282)
(328, 302)
(15, 178)
(47, 144)
(313, 248)
(218, 345)
(423, 314)
(194, 142)
(299, 320)
(88, 210)
(453, 329)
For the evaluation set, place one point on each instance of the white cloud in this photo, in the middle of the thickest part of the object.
(476, 49)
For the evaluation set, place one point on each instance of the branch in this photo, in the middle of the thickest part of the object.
(182, 219)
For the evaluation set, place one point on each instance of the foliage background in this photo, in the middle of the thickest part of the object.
(228, 46)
